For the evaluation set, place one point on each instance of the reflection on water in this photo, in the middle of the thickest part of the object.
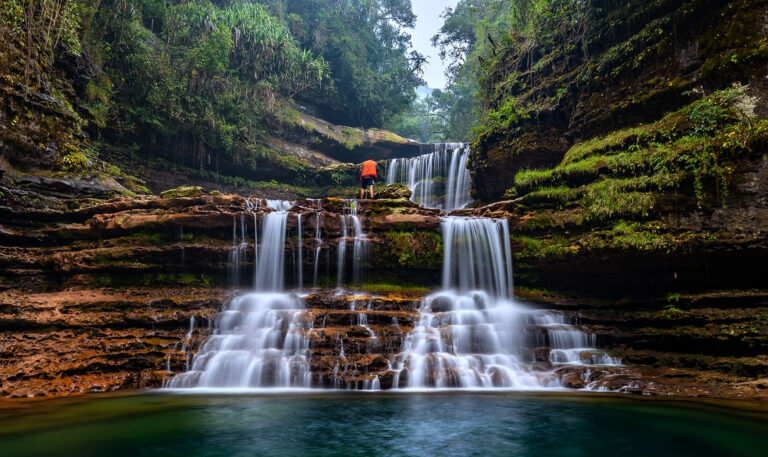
(418, 425)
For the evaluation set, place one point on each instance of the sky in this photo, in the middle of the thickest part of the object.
(428, 23)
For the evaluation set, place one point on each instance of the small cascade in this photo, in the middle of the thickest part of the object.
(360, 252)
(259, 343)
(270, 268)
(359, 246)
(342, 251)
(318, 243)
(473, 335)
(253, 208)
(477, 255)
(300, 262)
(238, 251)
(439, 179)
(260, 338)
(279, 205)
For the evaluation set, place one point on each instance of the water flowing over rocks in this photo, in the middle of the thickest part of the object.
(123, 294)
(439, 179)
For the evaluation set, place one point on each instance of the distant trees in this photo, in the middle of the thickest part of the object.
(373, 69)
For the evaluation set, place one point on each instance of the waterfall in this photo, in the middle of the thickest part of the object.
(279, 205)
(342, 250)
(260, 338)
(473, 335)
(360, 252)
(300, 263)
(318, 245)
(470, 334)
(237, 251)
(270, 269)
(359, 246)
(259, 342)
(477, 255)
(439, 179)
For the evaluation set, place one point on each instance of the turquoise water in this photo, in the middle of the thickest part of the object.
(459, 424)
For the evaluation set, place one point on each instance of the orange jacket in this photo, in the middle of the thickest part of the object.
(369, 170)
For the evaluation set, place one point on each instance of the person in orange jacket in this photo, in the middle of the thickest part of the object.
(368, 177)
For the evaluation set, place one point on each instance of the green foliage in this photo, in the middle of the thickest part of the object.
(374, 71)
(501, 119)
(695, 144)
(425, 121)
(74, 159)
(394, 289)
(635, 236)
(199, 81)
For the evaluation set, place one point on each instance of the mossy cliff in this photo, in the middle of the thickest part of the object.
(591, 68)
(630, 142)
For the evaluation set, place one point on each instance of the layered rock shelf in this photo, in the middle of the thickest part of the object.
(106, 295)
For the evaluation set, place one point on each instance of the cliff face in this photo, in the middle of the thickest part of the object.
(630, 141)
(600, 66)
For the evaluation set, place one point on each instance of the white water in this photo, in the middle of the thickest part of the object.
(259, 342)
(318, 244)
(360, 247)
(473, 335)
(238, 251)
(270, 270)
(341, 253)
(260, 338)
(300, 262)
(279, 205)
(439, 179)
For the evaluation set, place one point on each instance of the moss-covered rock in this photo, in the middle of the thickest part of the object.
(395, 191)
(184, 191)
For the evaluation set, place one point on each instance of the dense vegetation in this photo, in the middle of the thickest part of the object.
(373, 69)
(199, 83)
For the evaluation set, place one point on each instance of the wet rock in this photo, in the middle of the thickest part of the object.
(573, 382)
(395, 191)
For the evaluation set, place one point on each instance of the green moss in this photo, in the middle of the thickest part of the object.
(148, 239)
(527, 247)
(635, 236)
(183, 191)
(395, 289)
(558, 196)
(611, 198)
(619, 175)
(420, 250)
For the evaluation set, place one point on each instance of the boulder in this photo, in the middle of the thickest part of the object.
(395, 192)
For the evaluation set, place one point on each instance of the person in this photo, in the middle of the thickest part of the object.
(368, 177)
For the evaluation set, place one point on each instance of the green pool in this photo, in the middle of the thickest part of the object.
(339, 424)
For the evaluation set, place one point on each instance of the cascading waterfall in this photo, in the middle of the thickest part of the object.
(473, 335)
(360, 251)
(341, 253)
(300, 262)
(359, 246)
(439, 179)
(260, 339)
(237, 252)
(318, 245)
